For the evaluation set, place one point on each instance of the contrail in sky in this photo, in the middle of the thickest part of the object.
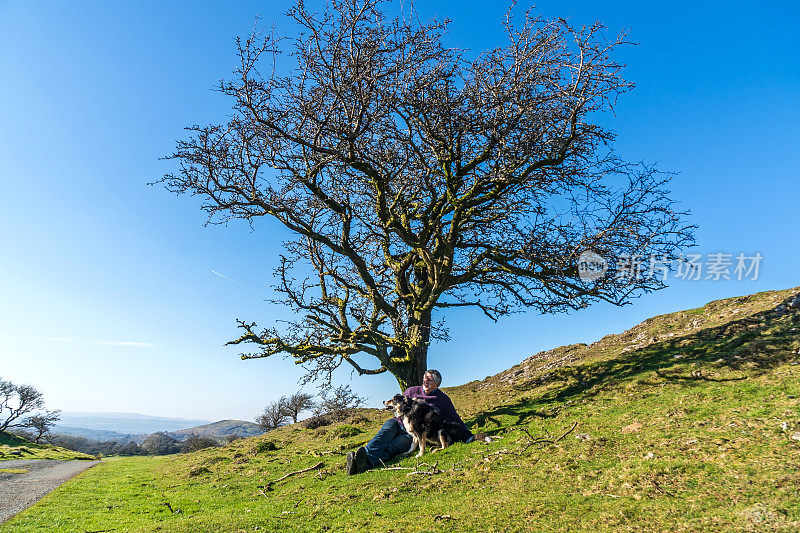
(236, 282)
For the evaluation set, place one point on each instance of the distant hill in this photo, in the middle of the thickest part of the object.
(120, 423)
(125, 427)
(222, 428)
(97, 434)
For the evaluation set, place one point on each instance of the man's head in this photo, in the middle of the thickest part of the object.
(431, 381)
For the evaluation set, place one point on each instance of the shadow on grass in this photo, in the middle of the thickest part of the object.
(696, 377)
(521, 410)
(754, 345)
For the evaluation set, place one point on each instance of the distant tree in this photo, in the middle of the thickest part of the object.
(197, 442)
(274, 415)
(297, 403)
(73, 442)
(337, 403)
(160, 443)
(231, 438)
(17, 401)
(93, 447)
(42, 423)
(415, 176)
(129, 448)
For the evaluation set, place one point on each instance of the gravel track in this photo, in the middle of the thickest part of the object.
(20, 491)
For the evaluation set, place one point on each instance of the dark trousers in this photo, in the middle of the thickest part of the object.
(390, 441)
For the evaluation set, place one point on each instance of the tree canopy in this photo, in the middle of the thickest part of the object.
(418, 177)
(41, 424)
(274, 416)
(17, 401)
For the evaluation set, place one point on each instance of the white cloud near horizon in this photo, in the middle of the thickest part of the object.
(137, 344)
(73, 340)
(61, 340)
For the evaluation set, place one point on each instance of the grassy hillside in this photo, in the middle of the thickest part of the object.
(687, 422)
(13, 447)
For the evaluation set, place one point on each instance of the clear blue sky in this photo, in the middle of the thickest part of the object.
(108, 301)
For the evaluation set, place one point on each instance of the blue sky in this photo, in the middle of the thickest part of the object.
(109, 300)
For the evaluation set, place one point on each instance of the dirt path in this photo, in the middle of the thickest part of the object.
(20, 491)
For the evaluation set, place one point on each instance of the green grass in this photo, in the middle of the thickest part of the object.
(7, 439)
(13, 447)
(691, 432)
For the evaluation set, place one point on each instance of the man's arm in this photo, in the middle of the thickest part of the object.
(448, 409)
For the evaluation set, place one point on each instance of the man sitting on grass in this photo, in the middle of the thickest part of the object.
(392, 439)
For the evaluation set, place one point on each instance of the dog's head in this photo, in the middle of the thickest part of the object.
(399, 404)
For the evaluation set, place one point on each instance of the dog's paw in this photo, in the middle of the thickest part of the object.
(419, 454)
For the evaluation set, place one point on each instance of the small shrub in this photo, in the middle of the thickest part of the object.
(198, 470)
(266, 446)
(197, 442)
(316, 421)
(345, 431)
(357, 419)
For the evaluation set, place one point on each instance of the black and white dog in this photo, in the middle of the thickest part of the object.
(425, 423)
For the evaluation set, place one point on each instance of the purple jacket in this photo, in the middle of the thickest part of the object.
(437, 399)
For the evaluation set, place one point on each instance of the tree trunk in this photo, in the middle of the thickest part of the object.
(411, 369)
(410, 373)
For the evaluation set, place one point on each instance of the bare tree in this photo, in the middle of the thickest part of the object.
(41, 424)
(297, 403)
(194, 443)
(338, 402)
(418, 178)
(274, 415)
(17, 401)
(231, 438)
